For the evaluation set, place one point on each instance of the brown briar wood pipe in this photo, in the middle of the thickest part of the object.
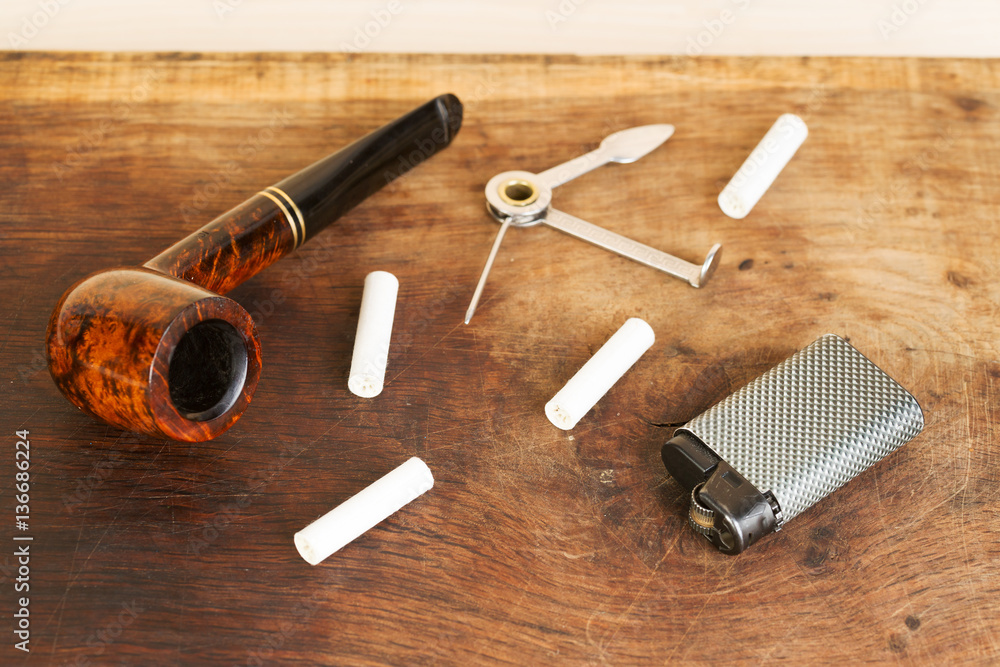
(158, 349)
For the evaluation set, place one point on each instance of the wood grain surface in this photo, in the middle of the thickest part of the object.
(536, 546)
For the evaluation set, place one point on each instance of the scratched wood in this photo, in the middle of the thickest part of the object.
(535, 546)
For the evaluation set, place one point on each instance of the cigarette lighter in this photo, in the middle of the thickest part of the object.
(790, 438)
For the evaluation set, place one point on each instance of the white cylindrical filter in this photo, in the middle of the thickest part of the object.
(371, 345)
(759, 170)
(359, 513)
(600, 373)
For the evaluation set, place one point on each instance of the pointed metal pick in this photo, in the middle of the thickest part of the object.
(621, 147)
(486, 271)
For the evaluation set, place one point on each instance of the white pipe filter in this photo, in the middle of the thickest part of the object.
(600, 373)
(763, 165)
(363, 511)
(371, 344)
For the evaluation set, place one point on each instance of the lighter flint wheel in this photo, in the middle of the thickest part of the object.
(701, 518)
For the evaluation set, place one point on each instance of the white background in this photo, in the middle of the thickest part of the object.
(750, 27)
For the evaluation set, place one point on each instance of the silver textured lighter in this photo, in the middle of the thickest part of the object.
(793, 436)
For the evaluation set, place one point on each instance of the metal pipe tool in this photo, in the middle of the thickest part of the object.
(523, 199)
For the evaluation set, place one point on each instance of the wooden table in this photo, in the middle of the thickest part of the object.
(535, 546)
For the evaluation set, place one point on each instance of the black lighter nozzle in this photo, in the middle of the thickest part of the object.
(327, 189)
(688, 460)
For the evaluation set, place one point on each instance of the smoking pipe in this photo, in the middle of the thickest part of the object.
(158, 349)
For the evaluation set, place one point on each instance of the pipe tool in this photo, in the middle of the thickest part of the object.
(523, 199)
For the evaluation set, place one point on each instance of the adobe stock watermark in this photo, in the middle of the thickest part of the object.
(562, 12)
(410, 323)
(29, 370)
(225, 7)
(588, 157)
(100, 472)
(33, 24)
(290, 624)
(419, 321)
(788, 128)
(78, 154)
(229, 512)
(422, 149)
(364, 34)
(98, 642)
(294, 275)
(212, 529)
(818, 96)
(485, 87)
(911, 170)
(900, 15)
(223, 178)
(85, 486)
(714, 28)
